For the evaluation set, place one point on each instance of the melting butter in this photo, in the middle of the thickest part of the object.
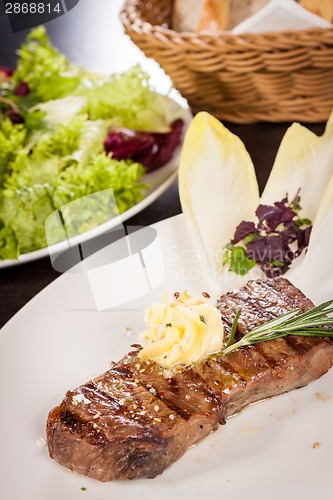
(183, 330)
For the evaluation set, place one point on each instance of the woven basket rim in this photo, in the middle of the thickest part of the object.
(214, 71)
(131, 12)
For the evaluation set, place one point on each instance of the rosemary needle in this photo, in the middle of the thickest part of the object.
(309, 324)
(233, 329)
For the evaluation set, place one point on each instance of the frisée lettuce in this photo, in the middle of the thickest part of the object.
(47, 73)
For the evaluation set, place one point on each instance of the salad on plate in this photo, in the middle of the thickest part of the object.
(66, 133)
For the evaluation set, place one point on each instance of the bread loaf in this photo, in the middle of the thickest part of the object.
(242, 9)
(212, 15)
(200, 15)
(322, 8)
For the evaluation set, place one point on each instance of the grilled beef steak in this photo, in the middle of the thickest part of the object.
(136, 420)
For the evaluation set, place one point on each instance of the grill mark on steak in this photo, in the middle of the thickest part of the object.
(183, 392)
(301, 345)
(133, 421)
(79, 425)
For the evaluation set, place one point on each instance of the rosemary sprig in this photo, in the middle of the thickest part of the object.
(309, 324)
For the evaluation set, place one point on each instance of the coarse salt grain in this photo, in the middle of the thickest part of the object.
(156, 407)
(80, 398)
(40, 443)
(171, 416)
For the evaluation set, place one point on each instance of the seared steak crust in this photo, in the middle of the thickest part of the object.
(135, 420)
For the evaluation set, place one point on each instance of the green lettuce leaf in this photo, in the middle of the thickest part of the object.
(91, 141)
(12, 138)
(101, 173)
(59, 111)
(9, 248)
(128, 99)
(24, 211)
(47, 72)
(63, 141)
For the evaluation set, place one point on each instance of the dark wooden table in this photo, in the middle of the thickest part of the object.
(91, 36)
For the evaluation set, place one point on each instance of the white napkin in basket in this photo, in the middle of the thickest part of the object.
(279, 15)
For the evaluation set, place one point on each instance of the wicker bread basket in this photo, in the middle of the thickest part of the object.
(284, 76)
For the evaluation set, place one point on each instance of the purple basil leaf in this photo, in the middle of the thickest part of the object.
(289, 234)
(265, 211)
(271, 216)
(281, 204)
(289, 256)
(272, 271)
(277, 239)
(266, 248)
(307, 234)
(243, 230)
(303, 237)
(287, 214)
(151, 149)
(268, 216)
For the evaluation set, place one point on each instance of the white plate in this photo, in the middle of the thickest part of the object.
(157, 181)
(59, 340)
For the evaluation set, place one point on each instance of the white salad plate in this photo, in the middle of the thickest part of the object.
(278, 448)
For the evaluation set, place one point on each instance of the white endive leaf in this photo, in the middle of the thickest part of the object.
(326, 205)
(304, 161)
(313, 273)
(217, 185)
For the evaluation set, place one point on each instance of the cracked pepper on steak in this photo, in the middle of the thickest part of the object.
(134, 421)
